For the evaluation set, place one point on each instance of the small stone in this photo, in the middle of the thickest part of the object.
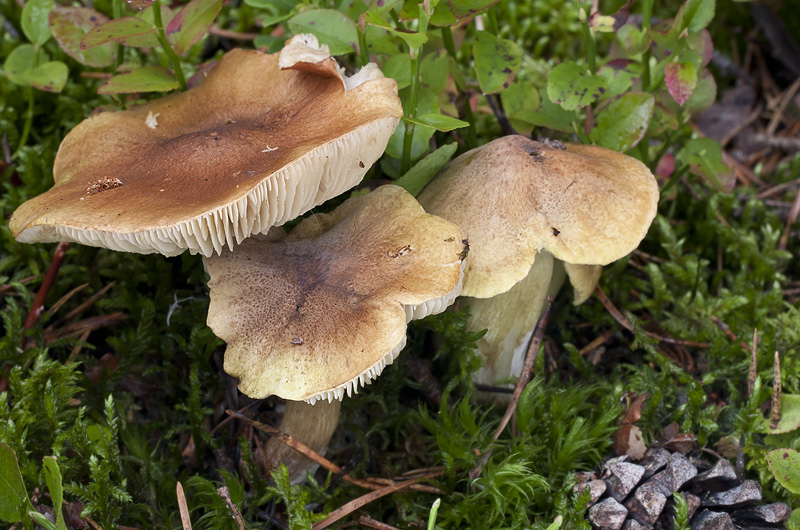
(693, 502)
(633, 524)
(653, 461)
(720, 477)
(647, 503)
(678, 471)
(768, 513)
(623, 478)
(748, 492)
(596, 489)
(707, 520)
(607, 515)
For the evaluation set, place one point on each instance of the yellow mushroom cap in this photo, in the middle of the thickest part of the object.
(313, 314)
(514, 197)
(251, 147)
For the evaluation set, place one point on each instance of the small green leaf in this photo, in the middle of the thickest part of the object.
(331, 27)
(633, 40)
(704, 158)
(271, 43)
(52, 475)
(41, 520)
(418, 176)
(785, 466)
(191, 23)
(413, 39)
(551, 115)
(150, 40)
(469, 8)
(622, 124)
(440, 122)
(571, 86)
(50, 76)
(497, 61)
(70, 24)
(18, 61)
(119, 30)
(398, 67)
(434, 70)
(35, 20)
(12, 489)
(790, 416)
(146, 79)
(704, 94)
(694, 15)
(619, 74)
(681, 79)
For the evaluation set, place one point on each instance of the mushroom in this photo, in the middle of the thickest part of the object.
(534, 213)
(262, 140)
(312, 315)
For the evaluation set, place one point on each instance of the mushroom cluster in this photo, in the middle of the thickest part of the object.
(534, 213)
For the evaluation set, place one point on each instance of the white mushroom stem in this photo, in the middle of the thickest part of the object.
(511, 317)
(313, 425)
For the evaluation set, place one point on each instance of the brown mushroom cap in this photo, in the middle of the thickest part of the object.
(318, 312)
(251, 147)
(584, 204)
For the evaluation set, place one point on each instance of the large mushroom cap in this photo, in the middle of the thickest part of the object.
(316, 313)
(514, 197)
(251, 147)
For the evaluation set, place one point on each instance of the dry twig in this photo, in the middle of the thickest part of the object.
(186, 522)
(38, 303)
(775, 409)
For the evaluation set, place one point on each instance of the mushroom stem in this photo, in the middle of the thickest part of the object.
(312, 425)
(510, 318)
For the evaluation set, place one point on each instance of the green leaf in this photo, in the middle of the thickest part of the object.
(622, 124)
(12, 489)
(418, 176)
(633, 40)
(146, 79)
(571, 86)
(469, 8)
(790, 415)
(18, 61)
(50, 76)
(440, 122)
(331, 27)
(41, 520)
(619, 74)
(785, 466)
(704, 158)
(35, 20)
(119, 30)
(191, 24)
(681, 79)
(434, 70)
(52, 475)
(704, 94)
(694, 15)
(497, 61)
(413, 39)
(398, 67)
(70, 24)
(521, 101)
(272, 44)
(150, 40)
(551, 115)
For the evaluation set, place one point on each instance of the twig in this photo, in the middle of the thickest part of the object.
(730, 334)
(235, 513)
(38, 303)
(775, 409)
(306, 451)
(423, 471)
(602, 339)
(7, 288)
(372, 523)
(500, 113)
(418, 487)
(234, 35)
(793, 213)
(83, 307)
(186, 522)
(91, 323)
(620, 318)
(241, 410)
(753, 373)
(778, 142)
(522, 382)
(355, 504)
(78, 347)
(774, 190)
(64, 299)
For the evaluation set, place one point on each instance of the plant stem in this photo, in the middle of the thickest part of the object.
(647, 12)
(449, 43)
(472, 137)
(591, 47)
(162, 39)
(408, 137)
(363, 52)
(26, 128)
(116, 6)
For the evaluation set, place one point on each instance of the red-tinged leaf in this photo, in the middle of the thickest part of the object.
(191, 23)
(701, 44)
(785, 467)
(681, 79)
(50, 76)
(200, 74)
(70, 24)
(119, 30)
(666, 167)
(469, 8)
(610, 23)
(146, 79)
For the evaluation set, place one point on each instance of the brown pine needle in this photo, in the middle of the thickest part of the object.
(186, 522)
(372, 523)
(776, 393)
(753, 373)
(235, 513)
(355, 504)
(625, 323)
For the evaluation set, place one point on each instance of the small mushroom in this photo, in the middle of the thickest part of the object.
(313, 315)
(534, 213)
(255, 145)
